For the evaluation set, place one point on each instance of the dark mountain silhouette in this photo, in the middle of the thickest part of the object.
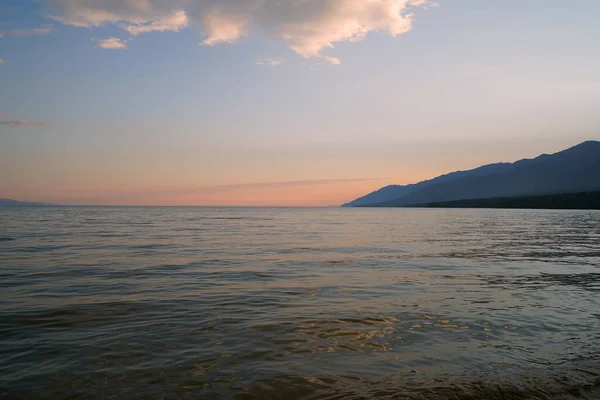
(393, 192)
(573, 170)
(569, 201)
(10, 202)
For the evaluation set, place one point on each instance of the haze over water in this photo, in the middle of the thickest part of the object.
(267, 303)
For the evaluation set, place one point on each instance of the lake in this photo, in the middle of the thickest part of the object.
(298, 303)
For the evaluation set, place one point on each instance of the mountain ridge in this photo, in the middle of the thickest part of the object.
(574, 169)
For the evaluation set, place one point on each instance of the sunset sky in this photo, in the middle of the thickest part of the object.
(283, 102)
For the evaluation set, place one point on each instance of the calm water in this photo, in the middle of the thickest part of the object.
(207, 303)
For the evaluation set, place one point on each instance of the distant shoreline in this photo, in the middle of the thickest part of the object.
(565, 201)
(589, 200)
(16, 203)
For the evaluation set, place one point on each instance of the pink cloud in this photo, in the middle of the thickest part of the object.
(112, 44)
(27, 32)
(307, 27)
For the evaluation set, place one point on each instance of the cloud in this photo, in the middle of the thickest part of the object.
(332, 60)
(308, 27)
(112, 44)
(2, 61)
(298, 192)
(222, 27)
(272, 62)
(3, 115)
(258, 186)
(175, 22)
(308, 182)
(20, 122)
(27, 32)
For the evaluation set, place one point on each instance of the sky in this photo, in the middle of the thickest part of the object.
(283, 102)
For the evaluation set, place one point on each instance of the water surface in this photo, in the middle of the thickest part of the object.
(259, 303)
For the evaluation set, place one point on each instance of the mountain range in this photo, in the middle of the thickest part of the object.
(576, 169)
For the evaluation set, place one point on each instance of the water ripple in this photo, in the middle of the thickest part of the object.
(298, 303)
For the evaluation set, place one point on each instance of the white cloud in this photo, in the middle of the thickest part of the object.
(112, 44)
(20, 122)
(308, 27)
(27, 32)
(127, 13)
(331, 60)
(174, 22)
(272, 62)
(222, 27)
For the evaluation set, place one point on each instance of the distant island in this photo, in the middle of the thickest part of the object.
(13, 203)
(567, 179)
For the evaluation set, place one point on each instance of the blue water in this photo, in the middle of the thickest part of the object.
(267, 303)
